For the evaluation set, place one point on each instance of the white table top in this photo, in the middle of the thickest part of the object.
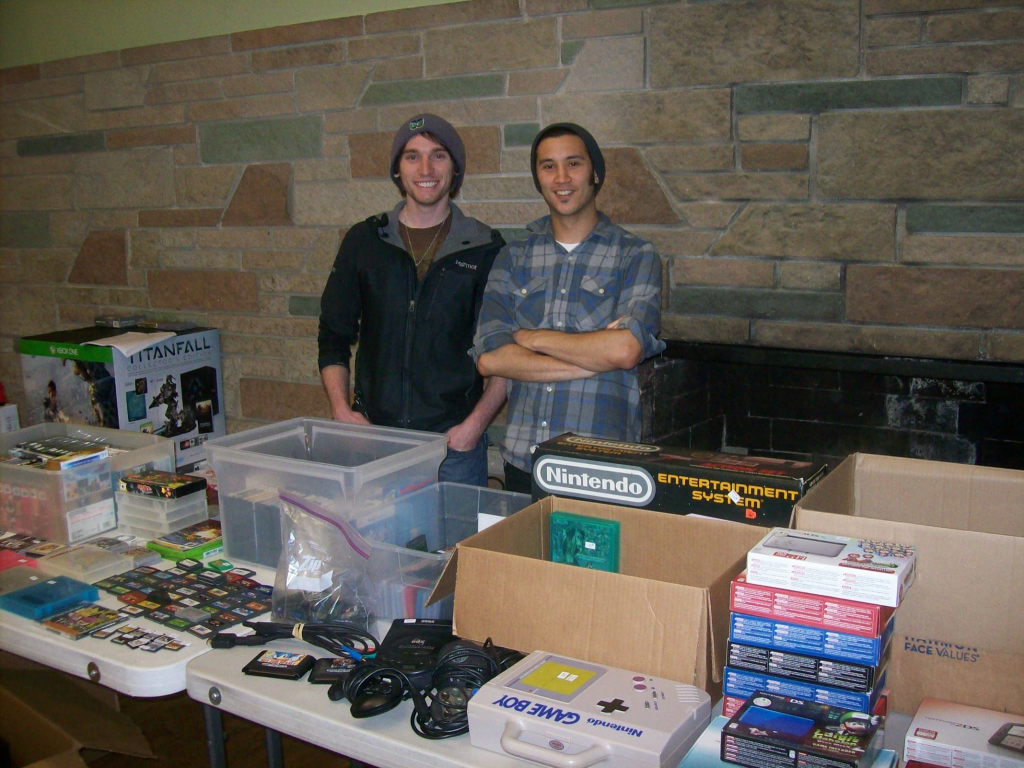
(302, 710)
(126, 670)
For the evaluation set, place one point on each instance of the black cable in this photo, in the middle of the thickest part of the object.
(461, 670)
(339, 638)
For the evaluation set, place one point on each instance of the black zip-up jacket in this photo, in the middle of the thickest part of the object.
(413, 369)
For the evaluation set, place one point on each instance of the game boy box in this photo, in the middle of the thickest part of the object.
(746, 489)
(862, 570)
(171, 388)
(783, 732)
(953, 735)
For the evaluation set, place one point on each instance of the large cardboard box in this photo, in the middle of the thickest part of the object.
(172, 388)
(51, 720)
(744, 489)
(959, 633)
(666, 612)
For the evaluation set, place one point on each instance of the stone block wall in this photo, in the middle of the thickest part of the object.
(819, 174)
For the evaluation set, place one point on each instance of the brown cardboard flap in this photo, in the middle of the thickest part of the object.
(75, 715)
(446, 583)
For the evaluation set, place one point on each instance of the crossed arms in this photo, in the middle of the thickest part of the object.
(546, 355)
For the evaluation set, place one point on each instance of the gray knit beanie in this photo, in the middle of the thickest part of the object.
(436, 126)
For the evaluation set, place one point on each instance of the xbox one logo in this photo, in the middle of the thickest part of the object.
(612, 483)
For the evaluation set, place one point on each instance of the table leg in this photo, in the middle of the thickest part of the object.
(275, 755)
(214, 737)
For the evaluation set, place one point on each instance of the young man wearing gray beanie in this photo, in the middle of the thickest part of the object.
(407, 285)
(570, 312)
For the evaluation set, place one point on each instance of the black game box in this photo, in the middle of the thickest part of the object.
(784, 732)
(747, 489)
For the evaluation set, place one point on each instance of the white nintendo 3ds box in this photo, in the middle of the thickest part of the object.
(834, 566)
(957, 736)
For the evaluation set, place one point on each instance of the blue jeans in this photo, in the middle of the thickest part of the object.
(466, 467)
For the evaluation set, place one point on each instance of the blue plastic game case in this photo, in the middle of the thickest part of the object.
(587, 542)
(48, 597)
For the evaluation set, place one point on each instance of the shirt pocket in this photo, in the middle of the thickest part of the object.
(597, 300)
(530, 299)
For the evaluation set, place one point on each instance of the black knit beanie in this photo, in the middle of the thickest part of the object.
(596, 158)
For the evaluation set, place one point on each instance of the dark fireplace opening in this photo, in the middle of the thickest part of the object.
(824, 406)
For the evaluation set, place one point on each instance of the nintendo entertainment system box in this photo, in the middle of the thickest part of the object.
(747, 489)
(172, 388)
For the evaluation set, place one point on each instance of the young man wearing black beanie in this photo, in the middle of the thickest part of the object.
(570, 312)
(408, 286)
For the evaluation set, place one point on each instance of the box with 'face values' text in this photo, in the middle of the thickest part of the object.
(746, 489)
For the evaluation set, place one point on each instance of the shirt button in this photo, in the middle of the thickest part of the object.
(543, 423)
(559, 323)
(549, 389)
(600, 290)
(563, 290)
(523, 291)
(533, 448)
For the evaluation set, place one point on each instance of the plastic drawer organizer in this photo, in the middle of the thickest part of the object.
(151, 517)
(74, 504)
(353, 466)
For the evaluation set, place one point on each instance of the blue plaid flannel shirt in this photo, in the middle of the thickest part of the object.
(535, 283)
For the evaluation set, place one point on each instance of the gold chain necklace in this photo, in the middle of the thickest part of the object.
(412, 251)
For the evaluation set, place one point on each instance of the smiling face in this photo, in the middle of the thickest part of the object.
(426, 170)
(566, 176)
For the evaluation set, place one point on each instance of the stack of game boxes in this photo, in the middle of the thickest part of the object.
(812, 618)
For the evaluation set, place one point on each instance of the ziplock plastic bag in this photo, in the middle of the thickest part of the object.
(322, 575)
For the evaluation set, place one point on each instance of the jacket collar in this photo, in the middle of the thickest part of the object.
(465, 232)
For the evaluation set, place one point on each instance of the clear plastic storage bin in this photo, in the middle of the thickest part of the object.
(353, 465)
(74, 504)
(162, 513)
(413, 537)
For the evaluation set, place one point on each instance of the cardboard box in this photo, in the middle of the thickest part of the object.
(947, 734)
(828, 613)
(172, 388)
(666, 613)
(744, 489)
(53, 721)
(859, 569)
(960, 632)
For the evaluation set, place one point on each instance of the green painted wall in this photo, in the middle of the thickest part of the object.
(33, 31)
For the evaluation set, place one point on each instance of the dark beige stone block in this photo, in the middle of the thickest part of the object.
(151, 137)
(701, 157)
(645, 117)
(717, 271)
(708, 43)
(977, 57)
(631, 193)
(490, 47)
(774, 157)
(298, 56)
(874, 340)
(620, 21)
(738, 186)
(321, 88)
(102, 260)
(677, 242)
(945, 297)
(904, 30)
(810, 275)
(139, 178)
(714, 330)
(539, 82)
(991, 250)
(261, 198)
(206, 185)
(204, 289)
(853, 232)
(180, 217)
(280, 400)
(953, 154)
